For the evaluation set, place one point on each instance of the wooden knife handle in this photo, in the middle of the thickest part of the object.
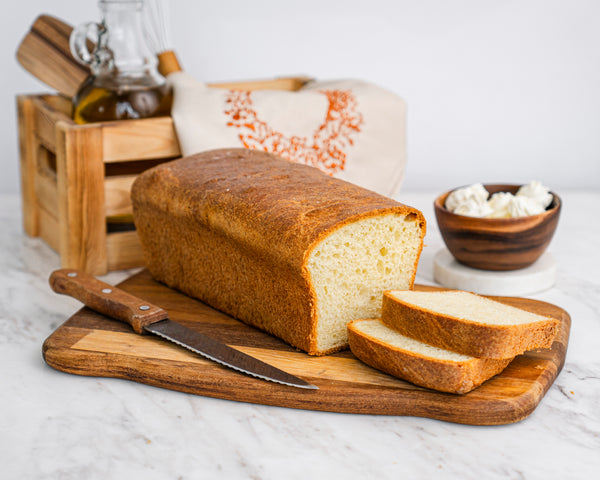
(106, 299)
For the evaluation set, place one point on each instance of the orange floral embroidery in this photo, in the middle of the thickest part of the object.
(326, 148)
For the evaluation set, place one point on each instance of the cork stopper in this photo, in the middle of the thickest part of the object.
(168, 63)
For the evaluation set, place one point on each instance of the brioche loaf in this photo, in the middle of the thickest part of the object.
(278, 245)
(467, 323)
(385, 349)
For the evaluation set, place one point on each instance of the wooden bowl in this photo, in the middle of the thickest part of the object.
(497, 243)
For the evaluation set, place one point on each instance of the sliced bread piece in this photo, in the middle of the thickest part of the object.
(467, 323)
(385, 349)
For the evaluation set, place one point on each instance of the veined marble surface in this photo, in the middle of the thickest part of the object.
(59, 426)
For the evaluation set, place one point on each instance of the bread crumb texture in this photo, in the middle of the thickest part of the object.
(468, 306)
(376, 329)
(352, 267)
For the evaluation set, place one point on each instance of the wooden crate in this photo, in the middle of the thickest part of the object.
(76, 179)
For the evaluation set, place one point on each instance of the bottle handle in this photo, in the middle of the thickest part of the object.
(78, 41)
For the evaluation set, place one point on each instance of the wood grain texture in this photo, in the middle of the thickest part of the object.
(46, 118)
(132, 140)
(45, 53)
(497, 243)
(46, 190)
(106, 299)
(49, 228)
(117, 191)
(80, 183)
(123, 250)
(283, 83)
(46, 197)
(27, 151)
(93, 345)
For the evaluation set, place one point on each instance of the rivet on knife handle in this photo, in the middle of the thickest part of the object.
(106, 299)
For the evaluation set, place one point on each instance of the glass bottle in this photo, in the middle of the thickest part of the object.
(125, 82)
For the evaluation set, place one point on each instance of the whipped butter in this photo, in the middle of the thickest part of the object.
(537, 192)
(475, 201)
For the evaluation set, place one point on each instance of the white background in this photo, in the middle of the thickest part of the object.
(497, 90)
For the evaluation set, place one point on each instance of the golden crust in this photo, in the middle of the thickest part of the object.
(463, 336)
(434, 373)
(234, 228)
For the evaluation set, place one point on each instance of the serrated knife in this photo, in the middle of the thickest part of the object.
(145, 317)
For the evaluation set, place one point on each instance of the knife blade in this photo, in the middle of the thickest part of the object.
(145, 317)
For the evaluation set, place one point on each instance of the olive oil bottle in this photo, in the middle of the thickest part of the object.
(98, 104)
(125, 83)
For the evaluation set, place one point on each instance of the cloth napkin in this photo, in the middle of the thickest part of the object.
(349, 129)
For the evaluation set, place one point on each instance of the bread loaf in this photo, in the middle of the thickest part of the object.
(278, 245)
(385, 349)
(467, 323)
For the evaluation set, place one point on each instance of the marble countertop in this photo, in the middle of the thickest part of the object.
(55, 425)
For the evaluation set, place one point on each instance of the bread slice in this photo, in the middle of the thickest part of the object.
(385, 349)
(281, 246)
(466, 323)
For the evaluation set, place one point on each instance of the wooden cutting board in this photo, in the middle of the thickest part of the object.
(91, 344)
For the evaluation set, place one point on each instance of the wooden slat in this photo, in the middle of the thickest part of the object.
(123, 250)
(285, 83)
(80, 173)
(45, 161)
(60, 104)
(46, 54)
(27, 152)
(139, 139)
(46, 190)
(117, 195)
(46, 118)
(49, 228)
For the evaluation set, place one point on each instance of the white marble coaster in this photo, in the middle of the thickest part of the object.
(535, 278)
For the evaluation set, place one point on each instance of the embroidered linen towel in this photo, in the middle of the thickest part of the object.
(350, 129)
